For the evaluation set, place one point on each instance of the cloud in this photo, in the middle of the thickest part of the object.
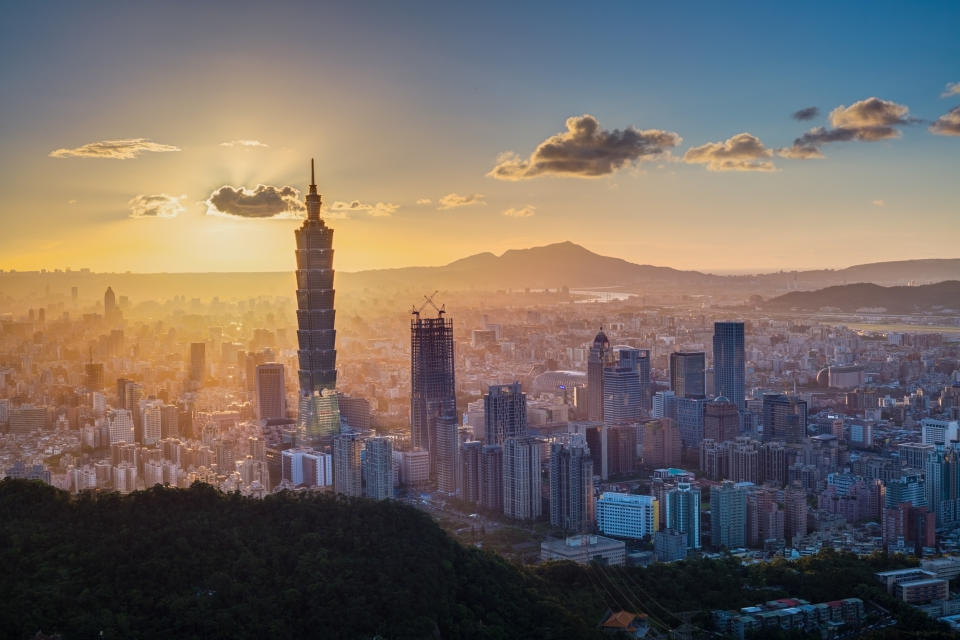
(424, 201)
(952, 89)
(878, 203)
(585, 150)
(948, 124)
(378, 210)
(455, 200)
(156, 206)
(114, 149)
(807, 113)
(263, 202)
(523, 212)
(742, 152)
(243, 143)
(865, 121)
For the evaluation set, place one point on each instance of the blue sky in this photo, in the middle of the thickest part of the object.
(404, 102)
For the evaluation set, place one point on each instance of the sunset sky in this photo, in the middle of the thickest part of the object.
(135, 135)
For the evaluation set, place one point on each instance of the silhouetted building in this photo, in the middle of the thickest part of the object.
(784, 418)
(721, 420)
(598, 358)
(623, 394)
(93, 376)
(198, 361)
(491, 477)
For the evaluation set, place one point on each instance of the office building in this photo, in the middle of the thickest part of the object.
(599, 357)
(943, 484)
(316, 335)
(623, 391)
(690, 415)
(683, 512)
(347, 470)
(669, 545)
(378, 468)
(521, 478)
(584, 549)
(626, 515)
(728, 515)
(505, 413)
(664, 405)
(909, 487)
(271, 391)
(198, 361)
(944, 431)
(571, 485)
(27, 418)
(687, 374)
(729, 362)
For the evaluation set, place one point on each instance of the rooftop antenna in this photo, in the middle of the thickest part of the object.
(313, 181)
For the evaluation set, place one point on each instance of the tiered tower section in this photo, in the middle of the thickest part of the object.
(316, 335)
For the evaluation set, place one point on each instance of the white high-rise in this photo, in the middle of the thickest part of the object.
(121, 426)
(151, 420)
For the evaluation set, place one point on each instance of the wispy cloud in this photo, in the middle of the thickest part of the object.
(585, 150)
(156, 206)
(742, 152)
(72, 201)
(948, 124)
(125, 149)
(265, 201)
(522, 212)
(423, 201)
(243, 143)
(378, 210)
(807, 113)
(878, 203)
(455, 200)
(865, 121)
(952, 89)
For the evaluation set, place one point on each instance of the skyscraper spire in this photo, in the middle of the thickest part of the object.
(313, 198)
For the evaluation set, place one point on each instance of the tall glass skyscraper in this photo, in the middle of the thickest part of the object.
(729, 362)
(687, 374)
(316, 335)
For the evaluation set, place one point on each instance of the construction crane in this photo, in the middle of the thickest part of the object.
(428, 300)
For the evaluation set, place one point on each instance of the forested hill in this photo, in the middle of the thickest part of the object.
(196, 563)
(169, 563)
(942, 295)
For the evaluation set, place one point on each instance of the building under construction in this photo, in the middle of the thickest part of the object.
(433, 395)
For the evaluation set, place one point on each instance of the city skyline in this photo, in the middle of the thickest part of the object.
(710, 136)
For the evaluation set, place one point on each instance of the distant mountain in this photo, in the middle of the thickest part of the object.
(866, 295)
(550, 266)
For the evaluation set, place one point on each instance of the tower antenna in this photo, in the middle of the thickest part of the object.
(313, 181)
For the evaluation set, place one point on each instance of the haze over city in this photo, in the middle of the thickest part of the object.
(509, 320)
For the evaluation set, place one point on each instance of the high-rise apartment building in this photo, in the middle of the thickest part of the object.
(683, 512)
(661, 444)
(152, 418)
(378, 468)
(795, 513)
(447, 449)
(943, 484)
(121, 427)
(470, 471)
(687, 374)
(433, 392)
(505, 413)
(521, 478)
(664, 405)
(721, 420)
(347, 472)
(491, 477)
(571, 485)
(271, 392)
(729, 362)
(728, 515)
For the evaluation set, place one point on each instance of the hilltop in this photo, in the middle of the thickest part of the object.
(943, 295)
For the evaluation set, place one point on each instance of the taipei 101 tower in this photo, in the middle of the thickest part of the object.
(319, 418)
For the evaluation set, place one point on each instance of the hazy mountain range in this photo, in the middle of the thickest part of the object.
(943, 295)
(551, 266)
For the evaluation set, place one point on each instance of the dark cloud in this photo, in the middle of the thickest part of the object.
(808, 113)
(113, 149)
(742, 152)
(156, 206)
(948, 124)
(865, 121)
(585, 150)
(263, 202)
